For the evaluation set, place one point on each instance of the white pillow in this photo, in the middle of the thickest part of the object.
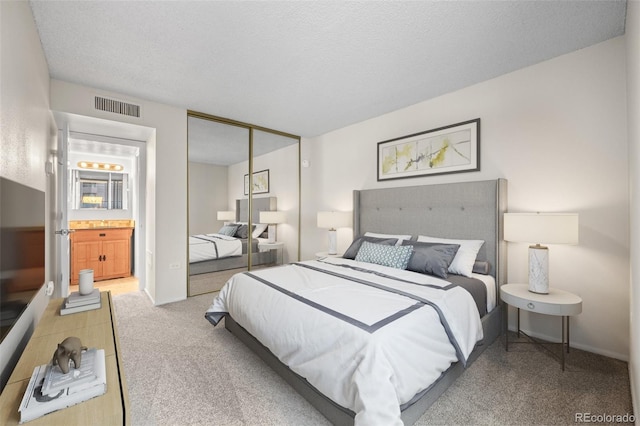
(259, 229)
(462, 263)
(399, 237)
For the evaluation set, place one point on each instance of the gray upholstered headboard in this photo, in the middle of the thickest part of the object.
(465, 210)
(258, 205)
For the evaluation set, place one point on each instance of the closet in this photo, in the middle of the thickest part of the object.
(234, 168)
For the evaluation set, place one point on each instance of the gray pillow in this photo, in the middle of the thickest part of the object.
(243, 231)
(228, 230)
(352, 251)
(431, 258)
(482, 267)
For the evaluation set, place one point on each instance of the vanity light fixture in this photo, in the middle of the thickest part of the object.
(93, 165)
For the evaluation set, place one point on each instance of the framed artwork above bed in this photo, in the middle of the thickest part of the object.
(450, 149)
(260, 182)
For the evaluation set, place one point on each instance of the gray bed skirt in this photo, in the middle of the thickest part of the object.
(338, 415)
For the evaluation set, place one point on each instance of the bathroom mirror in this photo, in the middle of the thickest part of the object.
(99, 190)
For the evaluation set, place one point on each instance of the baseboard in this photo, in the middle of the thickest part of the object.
(149, 296)
(635, 397)
(577, 345)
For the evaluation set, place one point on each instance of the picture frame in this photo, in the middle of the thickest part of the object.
(260, 182)
(449, 149)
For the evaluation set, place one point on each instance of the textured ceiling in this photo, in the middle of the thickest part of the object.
(308, 67)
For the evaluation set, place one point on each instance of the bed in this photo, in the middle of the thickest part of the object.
(215, 252)
(350, 335)
(214, 246)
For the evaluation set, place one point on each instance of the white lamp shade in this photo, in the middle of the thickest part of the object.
(272, 217)
(541, 228)
(226, 215)
(334, 220)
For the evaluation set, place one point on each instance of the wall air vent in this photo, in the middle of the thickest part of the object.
(117, 107)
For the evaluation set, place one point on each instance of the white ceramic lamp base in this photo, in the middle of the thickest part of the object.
(539, 269)
(272, 234)
(333, 246)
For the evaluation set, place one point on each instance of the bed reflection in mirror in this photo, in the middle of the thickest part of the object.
(224, 233)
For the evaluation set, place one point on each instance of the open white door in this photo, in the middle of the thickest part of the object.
(62, 223)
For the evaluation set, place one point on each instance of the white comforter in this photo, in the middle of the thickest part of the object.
(368, 349)
(213, 246)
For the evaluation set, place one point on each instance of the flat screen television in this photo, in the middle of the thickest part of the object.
(22, 249)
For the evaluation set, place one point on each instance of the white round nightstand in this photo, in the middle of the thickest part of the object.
(556, 302)
(279, 246)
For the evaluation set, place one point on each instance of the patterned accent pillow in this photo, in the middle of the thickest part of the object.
(228, 230)
(392, 256)
(352, 251)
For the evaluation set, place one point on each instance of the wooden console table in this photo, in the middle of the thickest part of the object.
(96, 329)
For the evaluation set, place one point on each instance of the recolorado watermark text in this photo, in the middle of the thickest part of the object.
(604, 418)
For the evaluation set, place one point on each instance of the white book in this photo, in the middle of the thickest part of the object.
(76, 299)
(55, 380)
(72, 310)
(35, 404)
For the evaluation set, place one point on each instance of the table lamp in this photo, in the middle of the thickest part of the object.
(332, 221)
(540, 228)
(273, 218)
(226, 216)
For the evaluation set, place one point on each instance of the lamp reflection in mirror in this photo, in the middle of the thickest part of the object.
(540, 228)
(333, 221)
(226, 216)
(273, 218)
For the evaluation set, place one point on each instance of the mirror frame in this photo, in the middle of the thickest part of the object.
(251, 128)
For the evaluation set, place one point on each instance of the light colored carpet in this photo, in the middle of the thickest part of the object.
(181, 370)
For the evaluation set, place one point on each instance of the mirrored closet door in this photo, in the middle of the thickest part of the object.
(243, 196)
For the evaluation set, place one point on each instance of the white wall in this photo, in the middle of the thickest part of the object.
(235, 179)
(207, 196)
(166, 195)
(25, 142)
(632, 36)
(557, 132)
(25, 99)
